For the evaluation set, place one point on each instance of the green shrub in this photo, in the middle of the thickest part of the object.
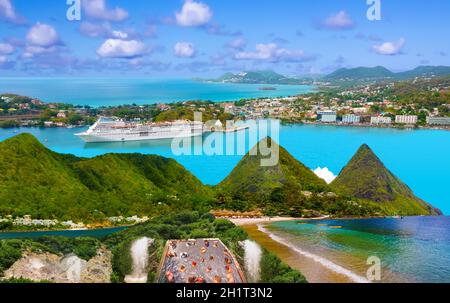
(273, 270)
(9, 254)
(122, 262)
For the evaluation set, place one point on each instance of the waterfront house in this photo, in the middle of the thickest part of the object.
(438, 120)
(327, 116)
(405, 119)
(62, 114)
(351, 119)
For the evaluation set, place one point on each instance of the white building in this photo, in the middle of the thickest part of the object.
(61, 114)
(380, 120)
(438, 120)
(327, 116)
(351, 119)
(403, 119)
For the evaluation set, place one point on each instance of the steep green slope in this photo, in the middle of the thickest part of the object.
(382, 73)
(424, 71)
(259, 185)
(38, 182)
(359, 73)
(34, 180)
(365, 177)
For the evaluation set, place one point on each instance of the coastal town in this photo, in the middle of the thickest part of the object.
(28, 223)
(423, 103)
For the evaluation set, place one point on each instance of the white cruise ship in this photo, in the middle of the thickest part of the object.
(114, 130)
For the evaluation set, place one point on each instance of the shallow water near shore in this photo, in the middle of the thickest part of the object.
(415, 249)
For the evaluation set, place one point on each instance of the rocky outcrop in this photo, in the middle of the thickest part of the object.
(62, 269)
(99, 268)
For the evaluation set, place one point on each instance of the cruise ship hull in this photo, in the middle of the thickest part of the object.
(110, 132)
(93, 138)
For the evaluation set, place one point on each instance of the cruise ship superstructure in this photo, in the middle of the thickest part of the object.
(114, 130)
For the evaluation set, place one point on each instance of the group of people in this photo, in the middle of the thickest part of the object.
(207, 264)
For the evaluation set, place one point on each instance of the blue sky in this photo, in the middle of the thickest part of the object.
(189, 38)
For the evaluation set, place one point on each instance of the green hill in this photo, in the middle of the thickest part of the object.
(36, 181)
(360, 73)
(365, 177)
(363, 74)
(258, 185)
(424, 71)
(257, 77)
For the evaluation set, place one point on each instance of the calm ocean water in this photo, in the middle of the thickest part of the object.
(95, 233)
(118, 91)
(415, 249)
(419, 157)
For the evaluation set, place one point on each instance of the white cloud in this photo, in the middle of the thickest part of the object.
(117, 48)
(94, 30)
(184, 50)
(42, 35)
(238, 43)
(5, 63)
(119, 35)
(325, 174)
(104, 30)
(41, 38)
(338, 21)
(32, 50)
(193, 14)
(272, 52)
(9, 14)
(390, 48)
(97, 9)
(6, 49)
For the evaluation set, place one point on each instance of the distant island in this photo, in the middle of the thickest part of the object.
(340, 76)
(268, 88)
(257, 77)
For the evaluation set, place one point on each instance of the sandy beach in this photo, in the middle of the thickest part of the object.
(256, 221)
(266, 220)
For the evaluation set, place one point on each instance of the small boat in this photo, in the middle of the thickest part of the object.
(336, 227)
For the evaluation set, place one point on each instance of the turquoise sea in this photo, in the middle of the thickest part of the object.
(98, 92)
(413, 249)
(418, 157)
(95, 233)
